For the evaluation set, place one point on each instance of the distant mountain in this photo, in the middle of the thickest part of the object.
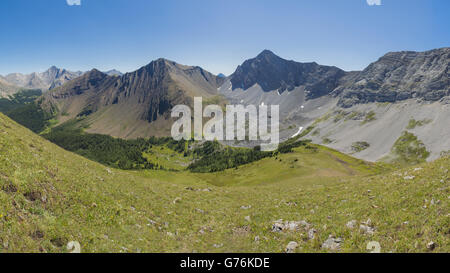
(49, 79)
(6, 88)
(221, 75)
(136, 104)
(113, 72)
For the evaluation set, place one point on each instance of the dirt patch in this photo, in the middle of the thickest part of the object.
(9, 188)
(33, 196)
(58, 242)
(345, 164)
(241, 231)
(38, 234)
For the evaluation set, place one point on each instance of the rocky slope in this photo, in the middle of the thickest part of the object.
(135, 104)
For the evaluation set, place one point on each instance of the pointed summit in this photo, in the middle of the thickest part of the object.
(53, 68)
(113, 72)
(266, 53)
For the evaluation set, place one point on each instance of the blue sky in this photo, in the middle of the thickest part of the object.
(217, 35)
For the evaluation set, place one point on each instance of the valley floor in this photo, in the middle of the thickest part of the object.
(49, 197)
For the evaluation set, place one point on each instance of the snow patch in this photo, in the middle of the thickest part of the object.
(296, 134)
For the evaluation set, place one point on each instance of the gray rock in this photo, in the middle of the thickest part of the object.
(281, 225)
(351, 224)
(332, 243)
(366, 229)
(311, 234)
(290, 248)
(431, 245)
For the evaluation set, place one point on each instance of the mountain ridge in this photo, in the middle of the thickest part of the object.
(398, 76)
(137, 102)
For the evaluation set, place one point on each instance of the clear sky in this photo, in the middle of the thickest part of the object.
(217, 35)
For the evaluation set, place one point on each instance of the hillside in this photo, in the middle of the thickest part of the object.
(49, 197)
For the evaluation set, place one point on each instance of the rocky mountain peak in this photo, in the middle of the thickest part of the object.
(272, 73)
(266, 55)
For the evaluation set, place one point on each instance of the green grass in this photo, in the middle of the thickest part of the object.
(360, 146)
(369, 117)
(167, 158)
(412, 124)
(50, 196)
(326, 140)
(407, 150)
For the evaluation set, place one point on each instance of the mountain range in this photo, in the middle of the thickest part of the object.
(47, 80)
(360, 112)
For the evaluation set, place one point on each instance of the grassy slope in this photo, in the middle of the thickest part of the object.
(167, 158)
(50, 196)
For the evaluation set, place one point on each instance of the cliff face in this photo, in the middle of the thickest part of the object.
(398, 76)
